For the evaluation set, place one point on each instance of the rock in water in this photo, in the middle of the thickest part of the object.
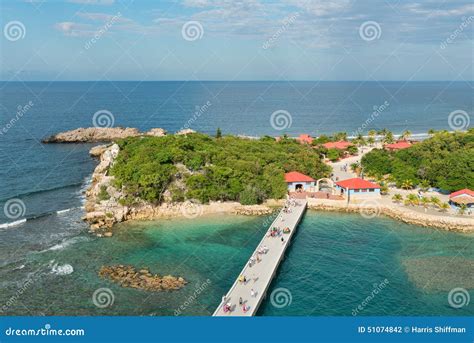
(127, 276)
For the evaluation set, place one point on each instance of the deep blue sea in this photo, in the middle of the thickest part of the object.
(52, 178)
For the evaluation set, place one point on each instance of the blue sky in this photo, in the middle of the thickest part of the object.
(237, 40)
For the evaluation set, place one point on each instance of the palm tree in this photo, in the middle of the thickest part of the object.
(412, 199)
(397, 198)
(388, 137)
(424, 185)
(431, 132)
(355, 167)
(443, 207)
(371, 141)
(407, 184)
(462, 209)
(405, 135)
(372, 133)
(425, 202)
(435, 201)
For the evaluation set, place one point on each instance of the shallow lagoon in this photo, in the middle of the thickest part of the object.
(335, 262)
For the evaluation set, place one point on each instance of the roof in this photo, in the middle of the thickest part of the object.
(305, 138)
(398, 145)
(356, 183)
(463, 199)
(297, 177)
(341, 145)
(464, 191)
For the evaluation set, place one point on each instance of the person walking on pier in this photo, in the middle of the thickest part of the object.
(252, 293)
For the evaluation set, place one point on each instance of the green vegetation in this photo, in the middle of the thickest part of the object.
(197, 166)
(103, 194)
(446, 161)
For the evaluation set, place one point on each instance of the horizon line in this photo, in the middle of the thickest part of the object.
(143, 81)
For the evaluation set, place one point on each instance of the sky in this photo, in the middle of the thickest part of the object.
(236, 40)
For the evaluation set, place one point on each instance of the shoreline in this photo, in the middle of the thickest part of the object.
(103, 214)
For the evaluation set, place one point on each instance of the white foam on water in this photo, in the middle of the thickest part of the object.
(66, 243)
(64, 269)
(15, 223)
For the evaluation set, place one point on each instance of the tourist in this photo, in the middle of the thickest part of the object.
(245, 308)
(252, 293)
(282, 240)
(241, 301)
(224, 299)
(245, 280)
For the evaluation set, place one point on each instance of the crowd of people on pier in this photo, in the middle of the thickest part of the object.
(275, 232)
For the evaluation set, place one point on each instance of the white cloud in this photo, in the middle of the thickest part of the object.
(93, 2)
(417, 8)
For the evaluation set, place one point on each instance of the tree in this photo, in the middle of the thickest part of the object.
(352, 149)
(407, 184)
(425, 202)
(397, 198)
(443, 207)
(218, 133)
(355, 167)
(462, 209)
(435, 201)
(405, 135)
(340, 136)
(371, 141)
(412, 199)
(333, 154)
(388, 137)
(424, 185)
(372, 133)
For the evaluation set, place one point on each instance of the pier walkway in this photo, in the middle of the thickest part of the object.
(260, 274)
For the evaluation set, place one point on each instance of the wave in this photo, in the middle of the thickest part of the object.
(64, 269)
(45, 190)
(66, 243)
(69, 209)
(15, 223)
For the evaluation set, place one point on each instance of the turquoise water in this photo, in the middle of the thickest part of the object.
(331, 267)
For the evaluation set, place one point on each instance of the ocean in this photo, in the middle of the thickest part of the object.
(346, 254)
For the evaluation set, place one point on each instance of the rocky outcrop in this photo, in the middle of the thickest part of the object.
(253, 210)
(127, 276)
(185, 132)
(100, 134)
(157, 132)
(98, 150)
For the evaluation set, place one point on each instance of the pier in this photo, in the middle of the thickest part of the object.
(259, 274)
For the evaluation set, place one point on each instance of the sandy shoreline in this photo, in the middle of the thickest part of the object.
(101, 215)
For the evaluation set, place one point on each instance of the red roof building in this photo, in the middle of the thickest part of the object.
(298, 177)
(398, 145)
(357, 183)
(304, 138)
(464, 196)
(340, 145)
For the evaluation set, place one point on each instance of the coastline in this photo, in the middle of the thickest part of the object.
(101, 215)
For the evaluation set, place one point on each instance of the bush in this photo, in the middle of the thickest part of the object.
(445, 161)
(103, 194)
(220, 169)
